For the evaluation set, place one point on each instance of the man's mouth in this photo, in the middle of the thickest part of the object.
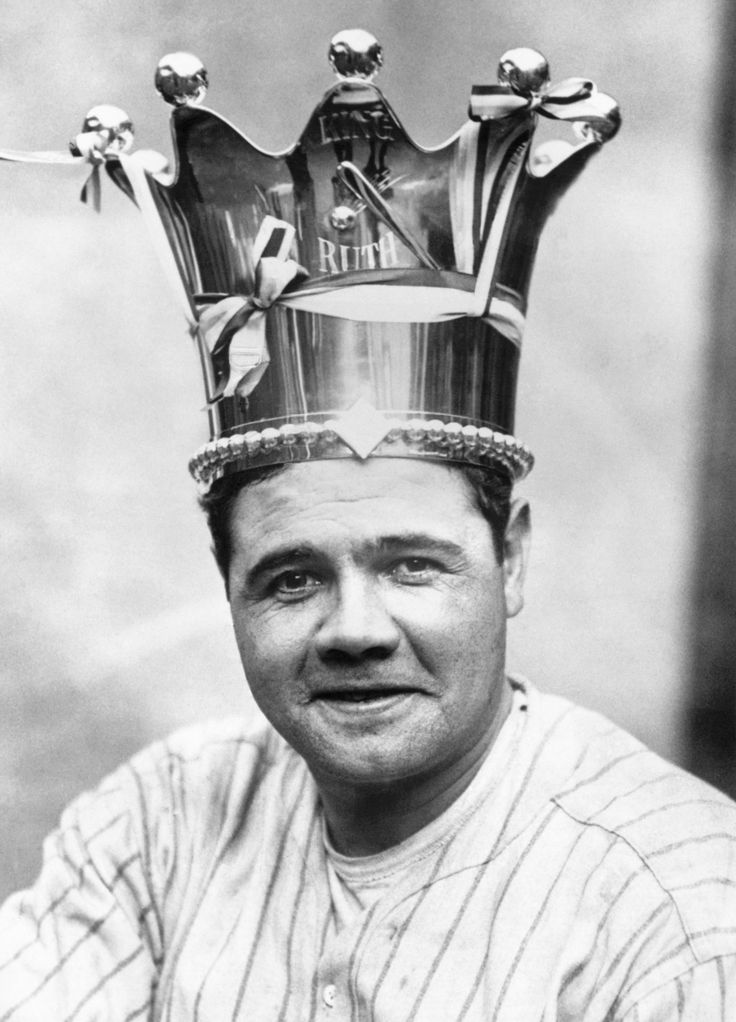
(363, 695)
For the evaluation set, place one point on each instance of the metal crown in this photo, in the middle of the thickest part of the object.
(356, 294)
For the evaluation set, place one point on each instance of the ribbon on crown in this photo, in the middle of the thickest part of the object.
(564, 101)
(91, 190)
(107, 131)
(524, 87)
(236, 325)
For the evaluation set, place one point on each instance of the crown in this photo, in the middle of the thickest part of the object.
(356, 294)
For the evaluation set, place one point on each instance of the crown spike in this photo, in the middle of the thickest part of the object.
(355, 53)
(181, 79)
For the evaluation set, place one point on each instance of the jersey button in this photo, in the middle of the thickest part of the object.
(328, 995)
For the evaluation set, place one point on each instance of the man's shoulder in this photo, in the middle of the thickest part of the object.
(225, 756)
(214, 743)
(676, 829)
(605, 773)
(619, 784)
(195, 780)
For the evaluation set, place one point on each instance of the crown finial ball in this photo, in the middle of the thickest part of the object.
(108, 129)
(355, 53)
(181, 79)
(525, 70)
(342, 218)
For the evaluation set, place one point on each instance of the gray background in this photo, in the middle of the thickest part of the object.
(114, 624)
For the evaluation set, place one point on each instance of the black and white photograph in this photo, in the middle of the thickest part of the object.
(369, 473)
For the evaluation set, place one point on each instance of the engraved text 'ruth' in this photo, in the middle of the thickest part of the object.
(380, 254)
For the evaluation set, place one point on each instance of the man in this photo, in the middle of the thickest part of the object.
(410, 834)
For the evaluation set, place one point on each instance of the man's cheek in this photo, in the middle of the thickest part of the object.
(270, 656)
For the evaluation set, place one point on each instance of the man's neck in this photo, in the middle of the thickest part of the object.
(364, 820)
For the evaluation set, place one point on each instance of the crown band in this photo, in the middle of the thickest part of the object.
(411, 438)
(462, 370)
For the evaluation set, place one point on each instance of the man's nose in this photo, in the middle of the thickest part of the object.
(357, 624)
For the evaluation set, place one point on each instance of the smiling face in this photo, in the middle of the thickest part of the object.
(370, 613)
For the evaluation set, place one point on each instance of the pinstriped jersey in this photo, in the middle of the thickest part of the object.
(579, 879)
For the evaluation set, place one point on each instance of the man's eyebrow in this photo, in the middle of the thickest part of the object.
(282, 558)
(417, 541)
(288, 557)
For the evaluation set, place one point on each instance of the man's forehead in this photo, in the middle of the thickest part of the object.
(375, 500)
(315, 486)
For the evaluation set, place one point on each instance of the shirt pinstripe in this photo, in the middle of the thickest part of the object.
(584, 879)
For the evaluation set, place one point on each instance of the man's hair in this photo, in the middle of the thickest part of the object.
(490, 493)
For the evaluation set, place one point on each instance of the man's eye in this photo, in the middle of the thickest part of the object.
(295, 583)
(414, 569)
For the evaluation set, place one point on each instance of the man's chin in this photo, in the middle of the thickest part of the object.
(365, 743)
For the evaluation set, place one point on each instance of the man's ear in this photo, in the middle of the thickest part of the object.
(516, 555)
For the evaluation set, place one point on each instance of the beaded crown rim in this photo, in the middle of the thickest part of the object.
(411, 438)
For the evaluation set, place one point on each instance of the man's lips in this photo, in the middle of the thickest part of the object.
(362, 694)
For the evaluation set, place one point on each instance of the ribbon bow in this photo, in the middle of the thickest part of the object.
(237, 325)
(566, 101)
(90, 193)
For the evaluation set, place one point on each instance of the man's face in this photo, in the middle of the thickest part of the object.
(370, 613)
